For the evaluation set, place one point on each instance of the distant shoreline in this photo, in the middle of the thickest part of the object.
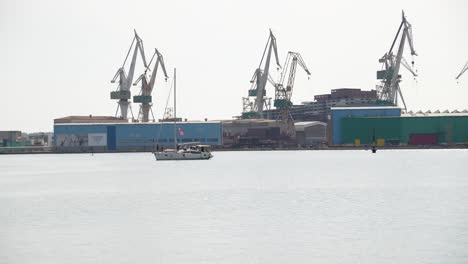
(50, 150)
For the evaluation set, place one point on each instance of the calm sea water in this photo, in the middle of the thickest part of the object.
(240, 207)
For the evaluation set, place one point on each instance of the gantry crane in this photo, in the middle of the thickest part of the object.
(390, 77)
(254, 108)
(283, 94)
(465, 68)
(145, 97)
(125, 81)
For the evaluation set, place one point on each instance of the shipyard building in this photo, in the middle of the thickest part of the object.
(311, 133)
(319, 109)
(387, 126)
(121, 136)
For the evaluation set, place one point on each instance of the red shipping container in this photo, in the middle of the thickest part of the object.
(423, 139)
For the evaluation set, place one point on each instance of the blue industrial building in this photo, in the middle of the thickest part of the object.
(133, 136)
(338, 113)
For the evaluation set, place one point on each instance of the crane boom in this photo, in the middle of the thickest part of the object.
(138, 48)
(125, 80)
(265, 73)
(294, 59)
(283, 94)
(465, 68)
(390, 77)
(159, 61)
(145, 97)
(260, 79)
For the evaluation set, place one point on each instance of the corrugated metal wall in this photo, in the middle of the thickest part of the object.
(337, 115)
(137, 136)
(449, 129)
(363, 129)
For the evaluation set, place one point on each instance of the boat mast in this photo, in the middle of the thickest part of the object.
(175, 113)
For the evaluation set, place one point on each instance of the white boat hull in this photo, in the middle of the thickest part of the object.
(180, 155)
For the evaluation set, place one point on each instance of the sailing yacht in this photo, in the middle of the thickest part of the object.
(197, 152)
(185, 151)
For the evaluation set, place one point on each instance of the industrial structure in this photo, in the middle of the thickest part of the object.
(387, 126)
(145, 98)
(389, 90)
(464, 69)
(246, 133)
(123, 93)
(10, 138)
(256, 102)
(15, 139)
(283, 92)
(132, 136)
(339, 113)
(311, 133)
(345, 117)
(89, 119)
(319, 109)
(251, 132)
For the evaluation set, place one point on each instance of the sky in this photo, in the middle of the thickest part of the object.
(57, 57)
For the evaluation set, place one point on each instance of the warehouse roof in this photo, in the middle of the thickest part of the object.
(89, 119)
(300, 126)
(136, 123)
(433, 114)
(248, 121)
(364, 107)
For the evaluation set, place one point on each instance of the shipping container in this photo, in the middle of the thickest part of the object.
(422, 139)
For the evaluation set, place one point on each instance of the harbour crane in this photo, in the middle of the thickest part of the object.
(254, 108)
(283, 94)
(389, 89)
(145, 98)
(465, 68)
(122, 92)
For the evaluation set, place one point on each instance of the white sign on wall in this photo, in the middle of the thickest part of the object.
(97, 139)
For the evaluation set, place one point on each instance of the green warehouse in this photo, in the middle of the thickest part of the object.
(425, 129)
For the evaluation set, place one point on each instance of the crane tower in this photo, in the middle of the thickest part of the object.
(283, 94)
(122, 92)
(389, 89)
(145, 98)
(253, 108)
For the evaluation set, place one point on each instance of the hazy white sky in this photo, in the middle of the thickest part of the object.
(57, 57)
